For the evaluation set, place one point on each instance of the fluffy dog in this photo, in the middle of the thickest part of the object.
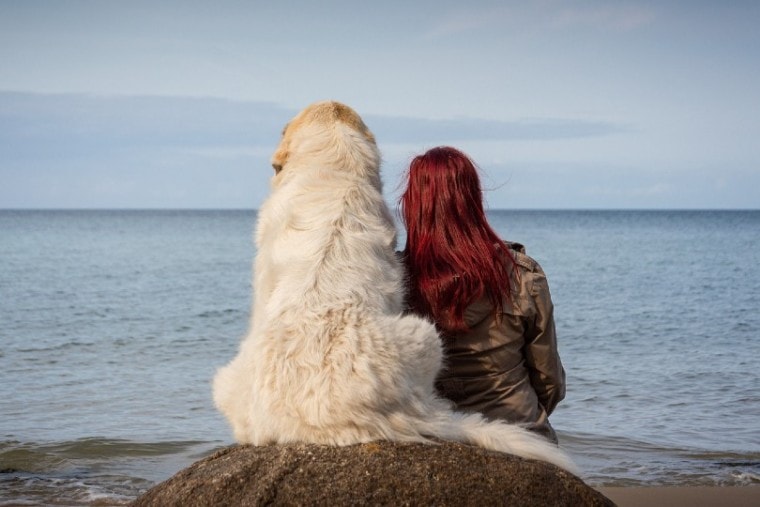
(329, 357)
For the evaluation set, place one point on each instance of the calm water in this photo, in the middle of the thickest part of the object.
(112, 324)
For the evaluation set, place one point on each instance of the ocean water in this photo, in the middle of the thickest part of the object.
(112, 324)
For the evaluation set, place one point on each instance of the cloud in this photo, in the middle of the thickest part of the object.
(41, 122)
(539, 16)
(69, 123)
(606, 16)
(420, 130)
(77, 150)
(469, 20)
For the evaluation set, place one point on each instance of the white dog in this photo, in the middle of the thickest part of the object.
(329, 357)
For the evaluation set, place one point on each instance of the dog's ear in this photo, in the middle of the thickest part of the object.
(278, 160)
(345, 114)
(280, 156)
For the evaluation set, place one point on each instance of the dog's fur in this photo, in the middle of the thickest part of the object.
(329, 357)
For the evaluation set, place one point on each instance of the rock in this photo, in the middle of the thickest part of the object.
(378, 473)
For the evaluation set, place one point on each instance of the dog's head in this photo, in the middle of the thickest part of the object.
(328, 134)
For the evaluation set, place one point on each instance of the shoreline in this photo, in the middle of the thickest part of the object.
(682, 496)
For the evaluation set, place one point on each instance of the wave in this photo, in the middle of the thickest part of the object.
(90, 471)
(47, 457)
(219, 313)
(75, 491)
(57, 347)
(625, 461)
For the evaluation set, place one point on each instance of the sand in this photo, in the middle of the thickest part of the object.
(696, 496)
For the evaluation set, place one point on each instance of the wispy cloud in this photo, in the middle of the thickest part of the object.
(467, 20)
(67, 123)
(606, 16)
(100, 122)
(420, 130)
(76, 150)
(547, 14)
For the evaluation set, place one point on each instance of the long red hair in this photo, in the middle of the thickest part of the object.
(452, 255)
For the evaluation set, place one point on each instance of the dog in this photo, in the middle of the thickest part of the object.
(330, 357)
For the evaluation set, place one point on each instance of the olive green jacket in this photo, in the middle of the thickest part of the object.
(508, 368)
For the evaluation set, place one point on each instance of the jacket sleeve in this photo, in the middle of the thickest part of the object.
(547, 375)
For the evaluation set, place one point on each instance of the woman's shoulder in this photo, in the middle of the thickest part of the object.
(522, 259)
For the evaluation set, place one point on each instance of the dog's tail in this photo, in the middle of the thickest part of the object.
(495, 435)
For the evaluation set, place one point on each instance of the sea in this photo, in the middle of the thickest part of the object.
(112, 324)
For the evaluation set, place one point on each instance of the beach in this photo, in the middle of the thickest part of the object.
(684, 496)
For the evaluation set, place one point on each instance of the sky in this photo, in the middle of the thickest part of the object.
(562, 104)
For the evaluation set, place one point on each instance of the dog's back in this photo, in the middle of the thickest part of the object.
(326, 289)
(329, 357)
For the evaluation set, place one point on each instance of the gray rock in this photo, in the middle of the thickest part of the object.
(378, 473)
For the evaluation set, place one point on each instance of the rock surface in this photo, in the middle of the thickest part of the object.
(379, 473)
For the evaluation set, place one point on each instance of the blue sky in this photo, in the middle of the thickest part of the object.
(563, 104)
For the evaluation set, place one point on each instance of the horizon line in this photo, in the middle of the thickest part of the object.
(393, 208)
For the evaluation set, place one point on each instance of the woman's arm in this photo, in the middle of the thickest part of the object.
(547, 376)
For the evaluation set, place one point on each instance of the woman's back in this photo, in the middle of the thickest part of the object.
(490, 301)
(506, 366)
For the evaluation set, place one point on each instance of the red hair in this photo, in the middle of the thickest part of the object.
(452, 255)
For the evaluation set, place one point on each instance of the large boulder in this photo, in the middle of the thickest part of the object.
(379, 473)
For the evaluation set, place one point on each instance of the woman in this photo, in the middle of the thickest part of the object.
(490, 301)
